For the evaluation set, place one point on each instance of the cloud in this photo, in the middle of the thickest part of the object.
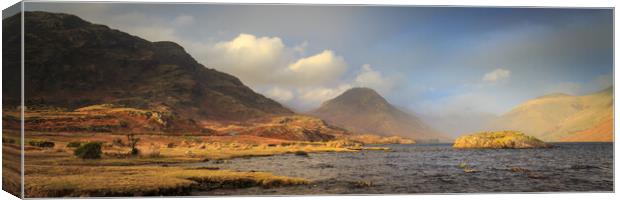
(369, 77)
(260, 61)
(312, 97)
(255, 60)
(324, 67)
(280, 94)
(496, 75)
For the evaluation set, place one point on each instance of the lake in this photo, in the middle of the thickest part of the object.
(436, 168)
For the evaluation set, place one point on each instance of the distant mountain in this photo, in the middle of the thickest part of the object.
(72, 63)
(562, 117)
(362, 110)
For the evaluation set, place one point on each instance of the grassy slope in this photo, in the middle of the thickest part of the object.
(563, 117)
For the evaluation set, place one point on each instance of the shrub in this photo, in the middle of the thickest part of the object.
(74, 144)
(8, 140)
(134, 151)
(41, 143)
(301, 153)
(91, 150)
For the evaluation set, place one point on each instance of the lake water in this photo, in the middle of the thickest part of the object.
(436, 168)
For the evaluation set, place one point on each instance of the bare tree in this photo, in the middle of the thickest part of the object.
(132, 141)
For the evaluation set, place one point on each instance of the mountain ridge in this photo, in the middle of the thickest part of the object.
(69, 58)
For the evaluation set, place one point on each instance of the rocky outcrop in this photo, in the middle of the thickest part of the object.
(377, 139)
(296, 128)
(498, 140)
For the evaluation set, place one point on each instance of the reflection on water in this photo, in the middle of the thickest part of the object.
(437, 168)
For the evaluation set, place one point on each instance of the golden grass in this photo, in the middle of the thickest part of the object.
(55, 172)
(11, 169)
(74, 181)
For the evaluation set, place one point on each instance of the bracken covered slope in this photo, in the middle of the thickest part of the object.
(72, 63)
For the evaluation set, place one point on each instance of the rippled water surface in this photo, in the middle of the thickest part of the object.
(436, 168)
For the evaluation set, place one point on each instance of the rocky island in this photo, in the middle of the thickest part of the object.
(498, 140)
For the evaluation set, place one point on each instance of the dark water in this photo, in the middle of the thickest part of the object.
(436, 169)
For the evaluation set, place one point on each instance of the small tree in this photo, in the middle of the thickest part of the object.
(132, 141)
(91, 150)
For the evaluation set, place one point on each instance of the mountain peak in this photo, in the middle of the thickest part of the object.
(361, 96)
(363, 110)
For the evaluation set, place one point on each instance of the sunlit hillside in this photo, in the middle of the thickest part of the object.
(561, 117)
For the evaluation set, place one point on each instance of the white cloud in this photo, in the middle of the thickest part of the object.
(260, 61)
(368, 77)
(280, 94)
(256, 60)
(496, 75)
(321, 68)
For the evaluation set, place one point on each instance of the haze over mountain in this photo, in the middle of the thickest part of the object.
(73, 63)
(563, 117)
(457, 124)
(363, 110)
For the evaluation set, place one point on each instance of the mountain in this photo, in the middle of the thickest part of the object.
(562, 117)
(362, 110)
(72, 63)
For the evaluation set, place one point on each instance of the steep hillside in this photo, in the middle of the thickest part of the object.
(72, 63)
(363, 110)
(561, 117)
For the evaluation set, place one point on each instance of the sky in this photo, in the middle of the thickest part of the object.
(434, 61)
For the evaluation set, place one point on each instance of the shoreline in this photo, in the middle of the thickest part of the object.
(55, 172)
